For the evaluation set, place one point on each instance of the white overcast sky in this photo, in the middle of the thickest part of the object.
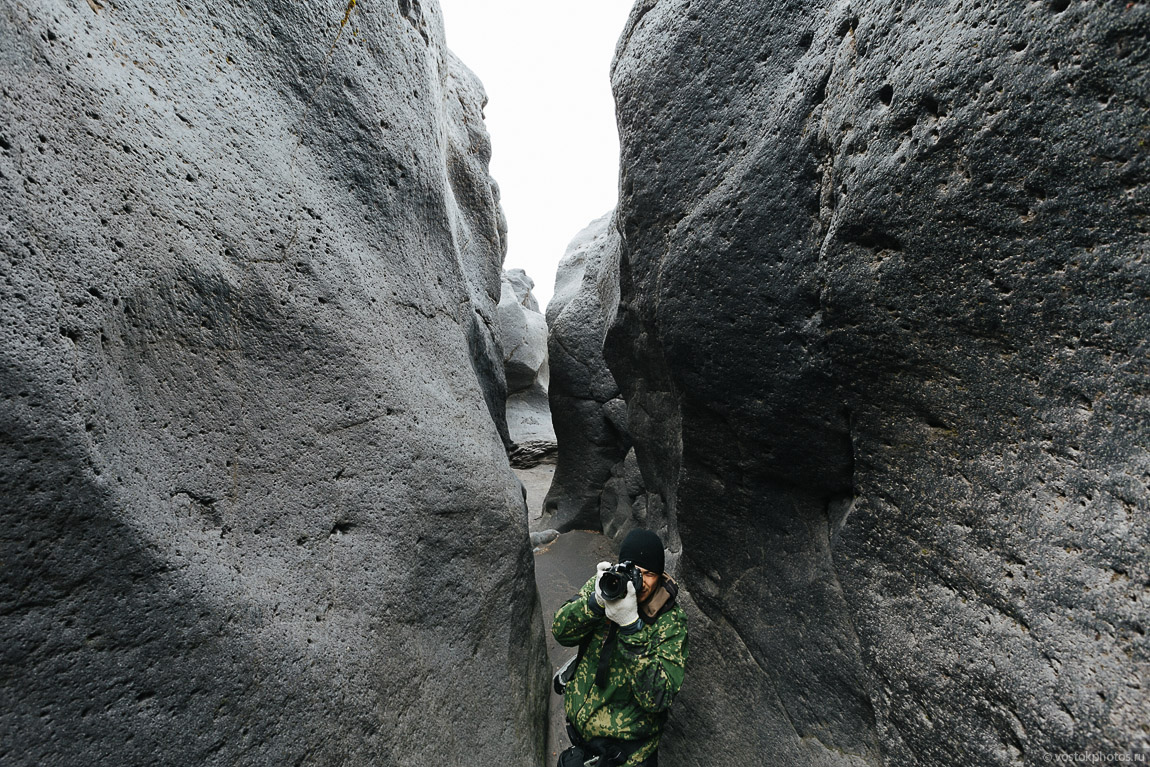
(545, 65)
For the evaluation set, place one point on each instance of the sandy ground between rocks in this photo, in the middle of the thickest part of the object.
(561, 568)
(537, 480)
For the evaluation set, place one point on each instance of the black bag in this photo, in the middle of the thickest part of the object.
(572, 757)
(596, 752)
(564, 675)
(577, 757)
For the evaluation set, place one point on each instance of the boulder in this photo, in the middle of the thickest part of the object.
(256, 504)
(882, 338)
(586, 408)
(523, 333)
(522, 285)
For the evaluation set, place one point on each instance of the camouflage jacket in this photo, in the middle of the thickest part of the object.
(645, 672)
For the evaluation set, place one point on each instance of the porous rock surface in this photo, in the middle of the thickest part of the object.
(883, 339)
(523, 334)
(256, 505)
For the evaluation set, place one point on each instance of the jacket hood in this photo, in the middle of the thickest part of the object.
(661, 601)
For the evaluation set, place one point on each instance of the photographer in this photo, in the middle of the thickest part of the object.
(632, 639)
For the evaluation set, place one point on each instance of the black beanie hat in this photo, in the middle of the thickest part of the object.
(643, 548)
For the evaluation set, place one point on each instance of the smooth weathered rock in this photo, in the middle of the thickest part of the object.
(523, 333)
(586, 409)
(598, 482)
(882, 335)
(529, 419)
(256, 505)
(543, 537)
(522, 285)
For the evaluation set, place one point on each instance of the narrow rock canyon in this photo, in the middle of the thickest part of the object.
(865, 341)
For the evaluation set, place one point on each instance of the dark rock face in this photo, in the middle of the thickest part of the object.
(256, 510)
(625, 504)
(882, 336)
(586, 408)
(598, 484)
(523, 333)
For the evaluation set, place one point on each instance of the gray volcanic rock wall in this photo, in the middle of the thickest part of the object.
(586, 407)
(597, 484)
(256, 510)
(625, 504)
(523, 333)
(883, 337)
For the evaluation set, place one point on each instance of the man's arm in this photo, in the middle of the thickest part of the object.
(578, 617)
(656, 657)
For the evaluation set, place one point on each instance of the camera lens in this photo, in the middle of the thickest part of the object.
(612, 585)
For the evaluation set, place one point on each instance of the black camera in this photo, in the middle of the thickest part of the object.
(613, 582)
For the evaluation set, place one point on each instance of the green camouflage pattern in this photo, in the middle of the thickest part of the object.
(644, 675)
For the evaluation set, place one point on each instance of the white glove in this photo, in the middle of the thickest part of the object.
(624, 611)
(600, 568)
